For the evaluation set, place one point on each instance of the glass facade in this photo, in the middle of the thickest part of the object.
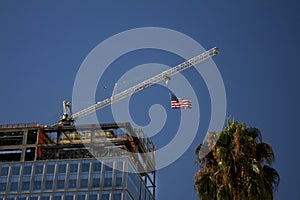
(82, 179)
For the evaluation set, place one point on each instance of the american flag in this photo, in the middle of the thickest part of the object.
(180, 103)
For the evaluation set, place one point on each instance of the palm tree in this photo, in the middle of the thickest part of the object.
(235, 165)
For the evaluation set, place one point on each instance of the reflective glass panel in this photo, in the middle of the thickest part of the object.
(62, 167)
(50, 167)
(72, 181)
(22, 197)
(3, 187)
(117, 195)
(26, 183)
(33, 197)
(85, 166)
(14, 186)
(27, 169)
(96, 166)
(105, 195)
(10, 197)
(37, 185)
(119, 179)
(81, 196)
(60, 184)
(93, 196)
(48, 184)
(45, 197)
(4, 170)
(57, 196)
(14, 183)
(69, 196)
(39, 168)
(73, 167)
(108, 179)
(96, 181)
(15, 169)
(108, 167)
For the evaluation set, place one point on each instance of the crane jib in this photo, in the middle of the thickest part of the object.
(147, 83)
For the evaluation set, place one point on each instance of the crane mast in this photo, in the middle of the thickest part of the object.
(167, 74)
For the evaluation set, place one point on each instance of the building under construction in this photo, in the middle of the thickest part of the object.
(76, 163)
(85, 162)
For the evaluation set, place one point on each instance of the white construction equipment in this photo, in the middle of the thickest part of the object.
(67, 118)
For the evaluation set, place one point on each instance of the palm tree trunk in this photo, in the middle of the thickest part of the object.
(237, 170)
(236, 186)
(236, 194)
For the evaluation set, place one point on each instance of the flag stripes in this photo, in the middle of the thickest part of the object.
(180, 102)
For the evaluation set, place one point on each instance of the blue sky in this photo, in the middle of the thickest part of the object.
(43, 43)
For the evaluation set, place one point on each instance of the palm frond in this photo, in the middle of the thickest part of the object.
(264, 153)
(233, 167)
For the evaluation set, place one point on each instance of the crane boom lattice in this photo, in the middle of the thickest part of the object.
(145, 84)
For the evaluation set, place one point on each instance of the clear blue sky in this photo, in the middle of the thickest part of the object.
(43, 43)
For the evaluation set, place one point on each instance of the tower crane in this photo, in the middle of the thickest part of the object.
(68, 118)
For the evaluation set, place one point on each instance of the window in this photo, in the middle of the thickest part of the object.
(81, 196)
(22, 197)
(119, 179)
(69, 196)
(84, 181)
(119, 165)
(49, 182)
(14, 183)
(72, 181)
(34, 197)
(37, 179)
(27, 169)
(2, 186)
(96, 181)
(50, 168)
(117, 195)
(60, 184)
(72, 184)
(108, 179)
(4, 170)
(3, 177)
(25, 183)
(26, 177)
(105, 195)
(73, 167)
(14, 186)
(15, 169)
(37, 185)
(96, 166)
(62, 167)
(133, 184)
(85, 166)
(45, 197)
(108, 182)
(10, 197)
(93, 196)
(57, 196)
(108, 167)
(119, 182)
(39, 168)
